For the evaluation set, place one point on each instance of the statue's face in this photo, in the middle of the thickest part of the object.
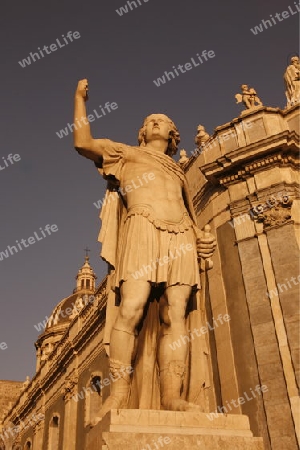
(157, 126)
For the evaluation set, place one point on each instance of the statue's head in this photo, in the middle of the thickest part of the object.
(295, 60)
(160, 126)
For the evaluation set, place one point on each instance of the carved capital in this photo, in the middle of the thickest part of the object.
(69, 387)
(274, 212)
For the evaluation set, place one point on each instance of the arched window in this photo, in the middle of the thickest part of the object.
(93, 398)
(82, 284)
(87, 284)
(53, 441)
(28, 445)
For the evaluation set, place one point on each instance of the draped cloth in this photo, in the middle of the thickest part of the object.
(145, 390)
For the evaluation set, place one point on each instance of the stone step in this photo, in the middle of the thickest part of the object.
(150, 441)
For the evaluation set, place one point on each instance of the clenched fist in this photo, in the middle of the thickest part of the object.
(82, 89)
(206, 244)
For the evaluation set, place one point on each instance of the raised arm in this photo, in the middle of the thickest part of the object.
(83, 141)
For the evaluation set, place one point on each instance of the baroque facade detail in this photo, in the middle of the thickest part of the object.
(273, 212)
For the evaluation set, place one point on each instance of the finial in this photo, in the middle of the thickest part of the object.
(202, 136)
(183, 157)
(87, 250)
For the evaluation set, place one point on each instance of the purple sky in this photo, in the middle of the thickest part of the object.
(120, 56)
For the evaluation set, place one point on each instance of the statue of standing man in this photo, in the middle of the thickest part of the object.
(152, 244)
(292, 82)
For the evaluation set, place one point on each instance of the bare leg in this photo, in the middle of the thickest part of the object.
(134, 296)
(172, 314)
(172, 358)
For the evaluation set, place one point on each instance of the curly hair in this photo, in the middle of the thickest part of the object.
(174, 138)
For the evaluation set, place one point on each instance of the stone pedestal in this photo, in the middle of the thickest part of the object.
(169, 430)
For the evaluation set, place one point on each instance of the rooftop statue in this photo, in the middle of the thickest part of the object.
(153, 246)
(292, 82)
(248, 97)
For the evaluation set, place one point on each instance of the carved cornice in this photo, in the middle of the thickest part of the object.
(101, 290)
(240, 164)
(246, 170)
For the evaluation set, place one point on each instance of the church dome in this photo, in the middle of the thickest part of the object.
(66, 310)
